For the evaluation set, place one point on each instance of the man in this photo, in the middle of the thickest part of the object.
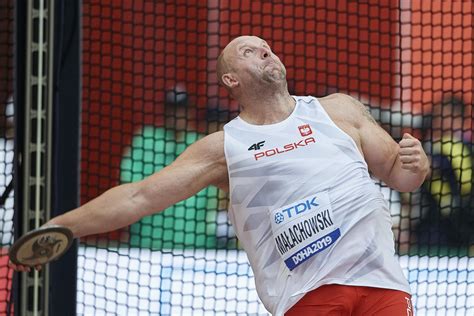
(315, 227)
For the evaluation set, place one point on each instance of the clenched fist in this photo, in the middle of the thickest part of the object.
(411, 154)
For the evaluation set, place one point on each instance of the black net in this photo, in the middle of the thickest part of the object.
(6, 151)
(150, 90)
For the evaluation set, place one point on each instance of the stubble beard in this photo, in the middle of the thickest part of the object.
(274, 74)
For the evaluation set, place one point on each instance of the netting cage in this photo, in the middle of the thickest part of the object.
(149, 90)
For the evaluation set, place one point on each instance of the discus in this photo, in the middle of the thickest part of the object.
(41, 246)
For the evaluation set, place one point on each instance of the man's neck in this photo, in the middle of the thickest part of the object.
(268, 109)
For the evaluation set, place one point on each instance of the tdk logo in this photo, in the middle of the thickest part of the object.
(279, 218)
(295, 209)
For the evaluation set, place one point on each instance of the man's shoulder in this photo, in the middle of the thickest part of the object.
(215, 136)
(342, 106)
(337, 99)
(209, 149)
(212, 143)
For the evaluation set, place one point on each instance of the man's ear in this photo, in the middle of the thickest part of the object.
(229, 81)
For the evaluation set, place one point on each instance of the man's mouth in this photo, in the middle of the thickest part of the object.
(270, 63)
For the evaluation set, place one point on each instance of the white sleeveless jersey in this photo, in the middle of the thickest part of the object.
(305, 208)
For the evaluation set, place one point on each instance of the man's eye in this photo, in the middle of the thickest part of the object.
(247, 51)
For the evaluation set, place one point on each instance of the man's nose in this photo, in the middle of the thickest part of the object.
(264, 52)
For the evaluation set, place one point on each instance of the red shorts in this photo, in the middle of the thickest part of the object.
(341, 300)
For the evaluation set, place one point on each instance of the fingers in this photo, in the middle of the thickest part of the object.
(410, 166)
(408, 141)
(407, 159)
(22, 268)
(410, 150)
(19, 268)
(411, 153)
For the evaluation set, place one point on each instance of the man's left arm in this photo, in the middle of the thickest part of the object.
(403, 166)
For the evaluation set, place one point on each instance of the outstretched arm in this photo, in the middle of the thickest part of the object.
(200, 165)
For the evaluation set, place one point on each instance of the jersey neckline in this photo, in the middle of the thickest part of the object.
(273, 125)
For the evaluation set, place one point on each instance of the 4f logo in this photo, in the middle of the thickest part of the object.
(305, 130)
(257, 146)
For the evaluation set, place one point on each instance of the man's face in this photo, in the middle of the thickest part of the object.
(252, 60)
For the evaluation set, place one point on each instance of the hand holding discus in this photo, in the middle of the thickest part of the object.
(39, 246)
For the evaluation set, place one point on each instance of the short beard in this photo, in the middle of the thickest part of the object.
(276, 75)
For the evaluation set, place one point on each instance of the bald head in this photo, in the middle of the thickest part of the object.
(223, 67)
(248, 67)
(224, 61)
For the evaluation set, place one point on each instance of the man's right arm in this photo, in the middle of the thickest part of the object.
(200, 165)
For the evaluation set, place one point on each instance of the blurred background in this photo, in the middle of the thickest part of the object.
(148, 90)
